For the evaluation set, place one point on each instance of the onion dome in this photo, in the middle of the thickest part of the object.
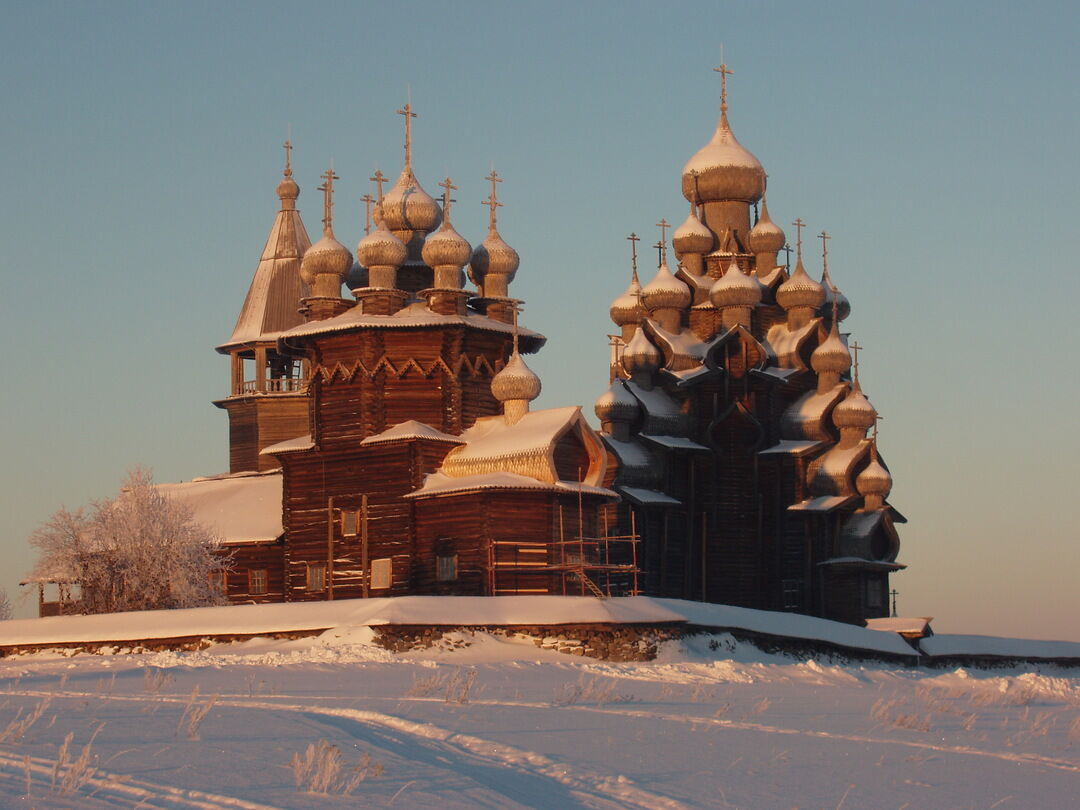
(843, 306)
(735, 289)
(288, 189)
(493, 256)
(666, 292)
(832, 355)
(766, 236)
(855, 411)
(326, 257)
(380, 248)
(516, 381)
(446, 247)
(407, 207)
(800, 290)
(692, 236)
(640, 356)
(874, 480)
(617, 404)
(357, 277)
(627, 307)
(723, 169)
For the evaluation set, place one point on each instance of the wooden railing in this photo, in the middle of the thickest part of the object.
(274, 385)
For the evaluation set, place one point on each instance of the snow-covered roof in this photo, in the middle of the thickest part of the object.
(304, 442)
(241, 508)
(785, 343)
(822, 503)
(411, 429)
(416, 315)
(832, 472)
(440, 484)
(940, 645)
(524, 447)
(648, 497)
(662, 412)
(804, 418)
(791, 447)
(863, 562)
(674, 442)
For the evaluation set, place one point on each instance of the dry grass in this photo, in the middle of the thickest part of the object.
(17, 728)
(322, 770)
(589, 690)
(455, 686)
(194, 714)
(894, 712)
(154, 680)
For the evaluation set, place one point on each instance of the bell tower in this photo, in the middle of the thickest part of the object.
(266, 402)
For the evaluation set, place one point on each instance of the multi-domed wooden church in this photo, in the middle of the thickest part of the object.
(382, 443)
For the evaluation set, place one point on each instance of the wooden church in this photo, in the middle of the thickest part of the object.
(383, 443)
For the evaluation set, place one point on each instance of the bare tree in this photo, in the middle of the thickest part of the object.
(138, 551)
(5, 606)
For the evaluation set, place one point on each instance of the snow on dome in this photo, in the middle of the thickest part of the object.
(640, 355)
(407, 207)
(627, 308)
(665, 292)
(766, 236)
(723, 169)
(381, 248)
(831, 355)
(692, 236)
(446, 248)
(493, 256)
(800, 290)
(874, 480)
(617, 404)
(855, 411)
(516, 381)
(326, 257)
(735, 289)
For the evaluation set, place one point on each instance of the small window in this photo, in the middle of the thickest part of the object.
(446, 567)
(257, 580)
(382, 574)
(217, 581)
(873, 593)
(316, 576)
(792, 591)
(350, 522)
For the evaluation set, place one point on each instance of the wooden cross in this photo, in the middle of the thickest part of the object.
(327, 188)
(367, 200)
(288, 158)
(409, 115)
(894, 593)
(799, 225)
(724, 73)
(447, 186)
(659, 253)
(787, 252)
(492, 202)
(634, 239)
(378, 179)
(855, 349)
(877, 418)
(663, 225)
(824, 237)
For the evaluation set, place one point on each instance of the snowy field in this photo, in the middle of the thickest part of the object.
(491, 722)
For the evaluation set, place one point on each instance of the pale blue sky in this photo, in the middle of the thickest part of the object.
(936, 142)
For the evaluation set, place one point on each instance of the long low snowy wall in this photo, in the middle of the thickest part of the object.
(783, 630)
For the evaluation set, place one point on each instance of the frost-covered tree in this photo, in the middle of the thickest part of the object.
(139, 551)
(5, 606)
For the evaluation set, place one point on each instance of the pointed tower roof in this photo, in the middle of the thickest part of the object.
(273, 299)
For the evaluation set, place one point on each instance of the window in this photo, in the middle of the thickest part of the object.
(446, 567)
(316, 576)
(382, 574)
(349, 523)
(257, 580)
(217, 581)
(873, 593)
(792, 590)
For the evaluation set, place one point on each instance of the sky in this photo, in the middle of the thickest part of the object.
(935, 142)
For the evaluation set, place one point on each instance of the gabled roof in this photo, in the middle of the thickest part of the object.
(242, 508)
(273, 299)
(411, 429)
(438, 484)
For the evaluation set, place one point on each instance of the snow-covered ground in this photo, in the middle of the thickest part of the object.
(485, 721)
